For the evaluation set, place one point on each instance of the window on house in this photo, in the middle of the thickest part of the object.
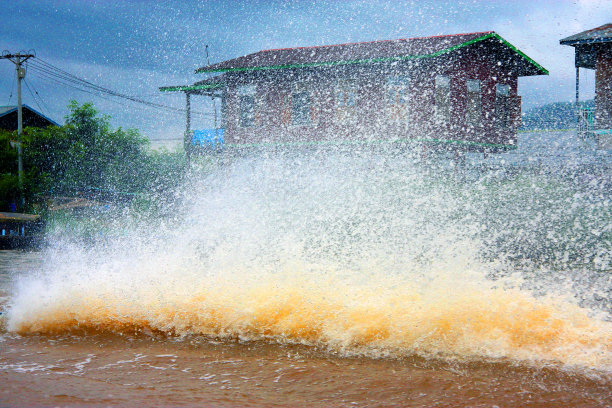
(224, 110)
(502, 108)
(397, 90)
(300, 107)
(502, 89)
(473, 111)
(442, 97)
(346, 101)
(346, 95)
(398, 98)
(247, 110)
(246, 95)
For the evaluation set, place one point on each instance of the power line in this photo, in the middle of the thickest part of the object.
(58, 79)
(50, 78)
(40, 97)
(42, 66)
(11, 94)
(33, 97)
(19, 59)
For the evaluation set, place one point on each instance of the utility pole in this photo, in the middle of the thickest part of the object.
(19, 59)
(577, 104)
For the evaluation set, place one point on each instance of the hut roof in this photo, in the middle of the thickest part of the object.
(596, 35)
(371, 52)
(31, 117)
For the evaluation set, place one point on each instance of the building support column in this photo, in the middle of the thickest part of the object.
(215, 109)
(188, 138)
(577, 107)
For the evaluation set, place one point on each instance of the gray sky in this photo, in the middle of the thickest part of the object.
(135, 46)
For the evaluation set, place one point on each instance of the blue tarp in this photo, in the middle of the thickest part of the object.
(208, 138)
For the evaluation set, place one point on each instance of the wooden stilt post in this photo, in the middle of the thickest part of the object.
(577, 98)
(188, 139)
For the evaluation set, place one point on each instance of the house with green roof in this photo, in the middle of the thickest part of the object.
(457, 91)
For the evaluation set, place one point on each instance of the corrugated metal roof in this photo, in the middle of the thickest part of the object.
(595, 35)
(364, 52)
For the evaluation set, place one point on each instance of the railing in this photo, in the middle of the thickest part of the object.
(586, 120)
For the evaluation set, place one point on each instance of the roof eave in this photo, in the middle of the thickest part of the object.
(586, 41)
(184, 88)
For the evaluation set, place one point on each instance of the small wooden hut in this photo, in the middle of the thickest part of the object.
(593, 50)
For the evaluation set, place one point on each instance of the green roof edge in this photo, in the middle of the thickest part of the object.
(386, 59)
(189, 87)
(521, 53)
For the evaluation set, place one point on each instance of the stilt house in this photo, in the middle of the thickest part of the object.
(452, 90)
(594, 51)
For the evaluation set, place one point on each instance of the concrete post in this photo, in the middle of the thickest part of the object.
(188, 139)
(577, 97)
(20, 76)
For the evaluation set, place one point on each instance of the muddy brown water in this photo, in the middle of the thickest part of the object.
(91, 367)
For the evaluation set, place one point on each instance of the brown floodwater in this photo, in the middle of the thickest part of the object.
(308, 347)
(103, 370)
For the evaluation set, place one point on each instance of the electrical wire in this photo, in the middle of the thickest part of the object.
(40, 97)
(34, 98)
(11, 94)
(59, 74)
(56, 80)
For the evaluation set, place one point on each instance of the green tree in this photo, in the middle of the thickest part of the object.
(9, 184)
(87, 154)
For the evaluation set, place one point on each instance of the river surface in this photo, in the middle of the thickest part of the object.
(362, 286)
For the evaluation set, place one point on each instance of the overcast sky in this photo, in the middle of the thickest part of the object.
(136, 46)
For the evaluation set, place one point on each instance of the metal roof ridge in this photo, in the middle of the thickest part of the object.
(369, 42)
(566, 41)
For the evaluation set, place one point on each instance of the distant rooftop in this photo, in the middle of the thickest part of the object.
(596, 35)
(4, 109)
(31, 117)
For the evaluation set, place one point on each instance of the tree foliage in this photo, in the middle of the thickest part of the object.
(9, 187)
(86, 154)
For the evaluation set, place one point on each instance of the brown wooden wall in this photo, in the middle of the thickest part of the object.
(603, 88)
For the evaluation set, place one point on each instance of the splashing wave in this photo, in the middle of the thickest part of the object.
(364, 257)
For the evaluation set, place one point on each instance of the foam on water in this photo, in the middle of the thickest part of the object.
(357, 254)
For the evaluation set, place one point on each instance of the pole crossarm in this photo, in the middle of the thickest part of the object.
(17, 57)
